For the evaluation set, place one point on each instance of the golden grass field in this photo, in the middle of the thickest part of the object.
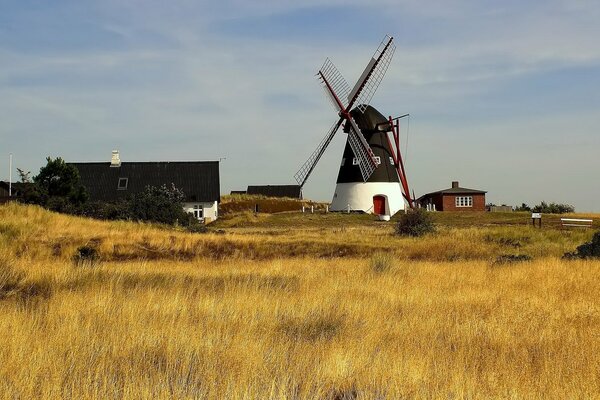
(292, 306)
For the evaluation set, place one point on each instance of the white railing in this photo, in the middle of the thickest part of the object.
(578, 222)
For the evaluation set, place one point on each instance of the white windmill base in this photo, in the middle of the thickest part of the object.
(360, 196)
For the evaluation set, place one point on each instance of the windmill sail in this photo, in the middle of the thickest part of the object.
(338, 91)
(304, 172)
(362, 151)
(334, 84)
(369, 81)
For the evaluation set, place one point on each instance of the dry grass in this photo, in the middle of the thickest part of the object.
(34, 233)
(297, 326)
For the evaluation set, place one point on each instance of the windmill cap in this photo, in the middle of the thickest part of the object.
(370, 120)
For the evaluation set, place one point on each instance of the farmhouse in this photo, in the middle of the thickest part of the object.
(455, 198)
(111, 181)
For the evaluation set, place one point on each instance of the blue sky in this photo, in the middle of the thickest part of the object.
(503, 96)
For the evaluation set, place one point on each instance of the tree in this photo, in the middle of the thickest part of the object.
(553, 208)
(59, 185)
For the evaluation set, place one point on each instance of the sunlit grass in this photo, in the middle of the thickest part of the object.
(399, 318)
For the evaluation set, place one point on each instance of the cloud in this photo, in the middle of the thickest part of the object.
(204, 80)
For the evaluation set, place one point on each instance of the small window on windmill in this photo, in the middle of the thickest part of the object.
(391, 161)
(343, 161)
(122, 185)
(377, 160)
(355, 161)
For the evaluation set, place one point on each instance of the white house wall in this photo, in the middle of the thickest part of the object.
(358, 196)
(210, 210)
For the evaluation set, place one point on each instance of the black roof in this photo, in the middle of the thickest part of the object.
(199, 180)
(293, 191)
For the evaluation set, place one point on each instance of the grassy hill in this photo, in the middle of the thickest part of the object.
(291, 305)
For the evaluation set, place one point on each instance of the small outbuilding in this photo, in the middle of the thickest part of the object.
(455, 198)
(291, 191)
(12, 191)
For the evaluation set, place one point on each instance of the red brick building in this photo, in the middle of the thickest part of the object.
(454, 199)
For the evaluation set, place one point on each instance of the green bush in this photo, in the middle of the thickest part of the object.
(159, 204)
(416, 222)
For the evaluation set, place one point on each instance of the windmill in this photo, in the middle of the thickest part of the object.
(371, 176)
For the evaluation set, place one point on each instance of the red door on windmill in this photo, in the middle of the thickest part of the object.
(379, 205)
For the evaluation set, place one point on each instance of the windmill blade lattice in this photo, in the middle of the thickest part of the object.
(362, 93)
(362, 151)
(330, 74)
(303, 173)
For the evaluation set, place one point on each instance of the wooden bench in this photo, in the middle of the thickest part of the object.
(578, 222)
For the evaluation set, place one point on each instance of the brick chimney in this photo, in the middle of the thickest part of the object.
(454, 184)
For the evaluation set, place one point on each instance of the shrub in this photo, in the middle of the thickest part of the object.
(86, 256)
(196, 227)
(416, 222)
(103, 210)
(159, 204)
(587, 250)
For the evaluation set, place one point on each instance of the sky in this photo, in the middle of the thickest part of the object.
(503, 96)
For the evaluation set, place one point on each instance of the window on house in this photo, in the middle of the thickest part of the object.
(463, 201)
(122, 185)
(198, 211)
